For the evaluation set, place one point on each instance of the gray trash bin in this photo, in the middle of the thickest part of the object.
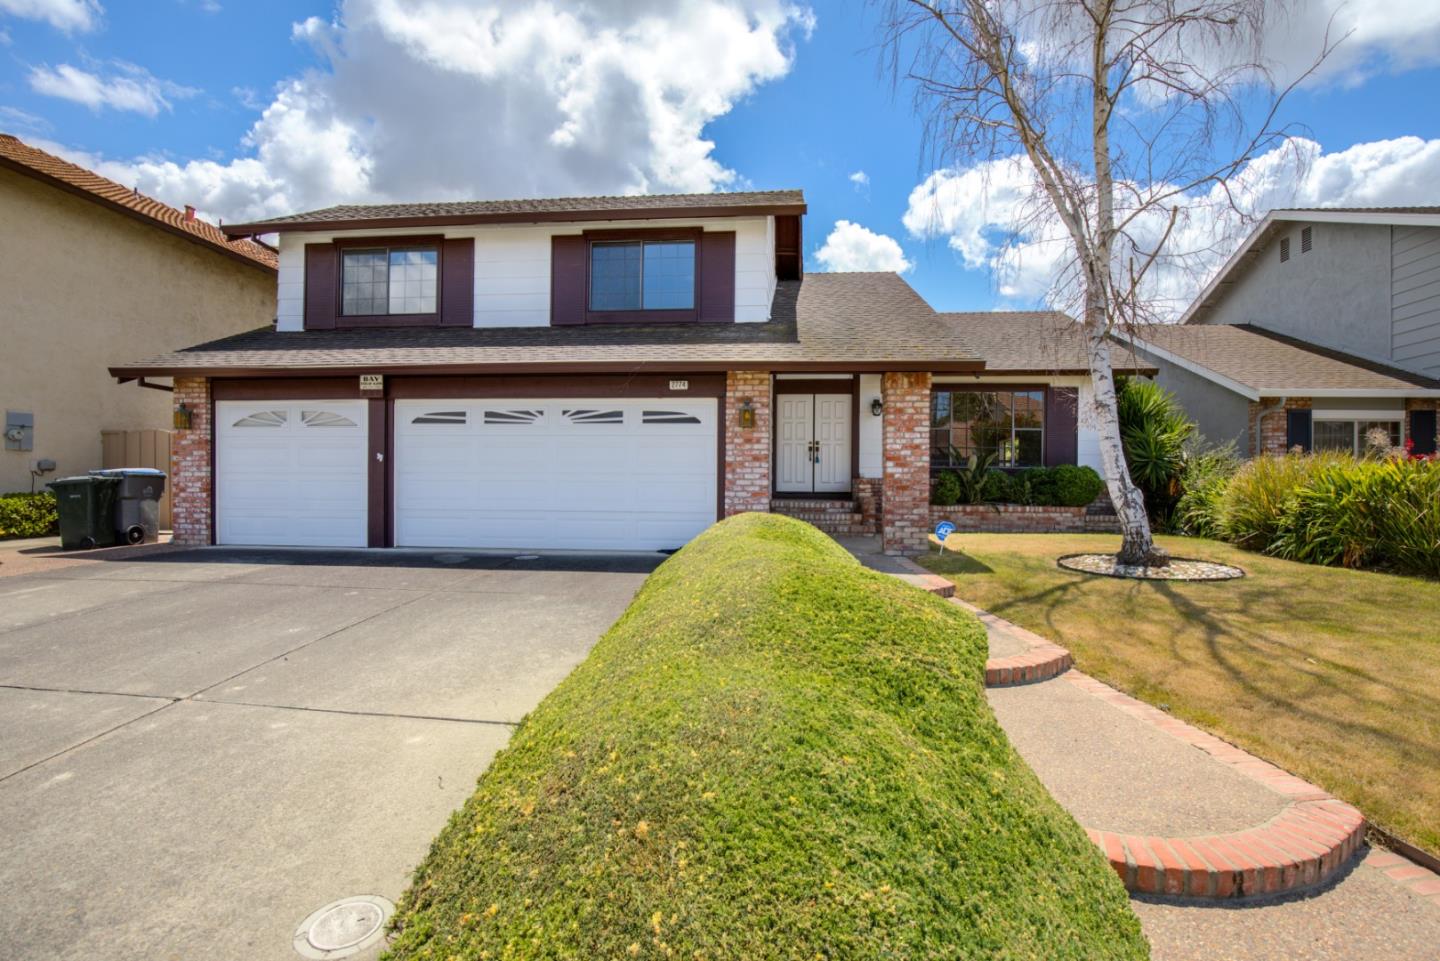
(137, 503)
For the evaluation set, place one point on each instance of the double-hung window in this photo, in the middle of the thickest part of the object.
(376, 281)
(1010, 424)
(642, 275)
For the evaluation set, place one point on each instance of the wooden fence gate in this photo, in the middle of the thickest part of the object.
(140, 448)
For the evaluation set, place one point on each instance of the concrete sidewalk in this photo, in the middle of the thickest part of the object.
(1124, 768)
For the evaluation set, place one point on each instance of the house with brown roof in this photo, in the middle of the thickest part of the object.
(91, 270)
(595, 373)
(1323, 327)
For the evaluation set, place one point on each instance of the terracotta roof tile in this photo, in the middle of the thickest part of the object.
(18, 155)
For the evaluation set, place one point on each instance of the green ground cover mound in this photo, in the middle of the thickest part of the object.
(774, 753)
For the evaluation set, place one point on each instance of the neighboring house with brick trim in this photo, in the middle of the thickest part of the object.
(595, 373)
(91, 270)
(1324, 324)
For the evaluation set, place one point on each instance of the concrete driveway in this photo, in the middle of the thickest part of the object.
(200, 748)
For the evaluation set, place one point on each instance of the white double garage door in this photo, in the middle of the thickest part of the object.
(584, 474)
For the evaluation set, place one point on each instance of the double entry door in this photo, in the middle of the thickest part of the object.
(813, 446)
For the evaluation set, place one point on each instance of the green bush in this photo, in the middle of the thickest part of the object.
(1364, 513)
(1254, 501)
(1207, 473)
(1076, 486)
(946, 490)
(774, 753)
(28, 515)
(1038, 485)
(1155, 433)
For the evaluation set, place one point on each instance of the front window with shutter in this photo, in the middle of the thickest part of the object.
(389, 280)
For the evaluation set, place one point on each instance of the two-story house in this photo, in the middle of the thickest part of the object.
(1322, 327)
(90, 270)
(595, 373)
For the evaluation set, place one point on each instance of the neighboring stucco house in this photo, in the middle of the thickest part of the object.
(594, 373)
(1324, 325)
(91, 270)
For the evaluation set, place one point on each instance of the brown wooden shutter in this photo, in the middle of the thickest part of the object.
(568, 271)
(321, 285)
(717, 277)
(1061, 445)
(1422, 431)
(457, 282)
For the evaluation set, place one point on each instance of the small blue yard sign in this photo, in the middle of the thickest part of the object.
(943, 530)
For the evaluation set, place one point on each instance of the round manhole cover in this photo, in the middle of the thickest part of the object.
(343, 928)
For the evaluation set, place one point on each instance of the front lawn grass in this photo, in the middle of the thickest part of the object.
(1332, 674)
(774, 753)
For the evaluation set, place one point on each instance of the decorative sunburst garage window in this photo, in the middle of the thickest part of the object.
(596, 416)
(442, 417)
(324, 418)
(668, 417)
(513, 416)
(263, 418)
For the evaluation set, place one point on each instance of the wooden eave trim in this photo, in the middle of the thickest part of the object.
(534, 217)
(134, 214)
(560, 367)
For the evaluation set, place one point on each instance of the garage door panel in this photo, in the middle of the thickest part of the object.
(292, 473)
(573, 474)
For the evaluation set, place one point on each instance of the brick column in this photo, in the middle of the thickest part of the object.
(905, 487)
(190, 454)
(747, 449)
(1424, 403)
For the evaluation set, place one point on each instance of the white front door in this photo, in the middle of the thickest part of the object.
(813, 443)
(584, 474)
(291, 473)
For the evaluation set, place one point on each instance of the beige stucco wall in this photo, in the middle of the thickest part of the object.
(83, 287)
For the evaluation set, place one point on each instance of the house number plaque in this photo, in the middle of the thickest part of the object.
(372, 381)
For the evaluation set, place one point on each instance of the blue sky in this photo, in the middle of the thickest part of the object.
(368, 103)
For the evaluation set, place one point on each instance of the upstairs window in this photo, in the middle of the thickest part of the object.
(642, 275)
(389, 280)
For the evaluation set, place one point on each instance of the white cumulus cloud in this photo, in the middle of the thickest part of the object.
(853, 247)
(67, 15)
(993, 219)
(452, 99)
(127, 87)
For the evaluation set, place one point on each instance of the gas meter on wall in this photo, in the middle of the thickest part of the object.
(19, 430)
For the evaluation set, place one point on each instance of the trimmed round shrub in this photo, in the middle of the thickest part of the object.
(775, 753)
(995, 486)
(1040, 483)
(1076, 486)
(946, 490)
(28, 515)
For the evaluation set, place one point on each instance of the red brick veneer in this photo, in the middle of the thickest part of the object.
(190, 464)
(747, 449)
(905, 487)
(1023, 519)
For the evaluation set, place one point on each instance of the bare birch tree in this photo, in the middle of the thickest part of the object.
(1126, 110)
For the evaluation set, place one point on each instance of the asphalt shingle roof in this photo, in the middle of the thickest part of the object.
(550, 208)
(1264, 360)
(825, 319)
(18, 155)
(1030, 342)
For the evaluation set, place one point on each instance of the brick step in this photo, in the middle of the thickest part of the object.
(848, 517)
(787, 505)
(1040, 663)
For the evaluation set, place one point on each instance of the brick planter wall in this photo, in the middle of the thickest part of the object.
(747, 450)
(1022, 519)
(190, 464)
(905, 488)
(867, 492)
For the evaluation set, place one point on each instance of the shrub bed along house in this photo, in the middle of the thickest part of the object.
(774, 753)
(28, 515)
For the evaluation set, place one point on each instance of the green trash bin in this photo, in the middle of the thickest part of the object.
(86, 506)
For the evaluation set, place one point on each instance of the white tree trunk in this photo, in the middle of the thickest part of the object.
(1137, 545)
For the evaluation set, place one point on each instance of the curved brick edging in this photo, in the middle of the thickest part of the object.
(1301, 847)
(1304, 845)
(1041, 663)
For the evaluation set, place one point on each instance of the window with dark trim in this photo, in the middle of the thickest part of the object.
(642, 275)
(1010, 424)
(376, 281)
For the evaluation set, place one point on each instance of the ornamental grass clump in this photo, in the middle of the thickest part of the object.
(1254, 503)
(774, 753)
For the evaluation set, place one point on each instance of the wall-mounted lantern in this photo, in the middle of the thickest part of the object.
(182, 417)
(877, 407)
(747, 414)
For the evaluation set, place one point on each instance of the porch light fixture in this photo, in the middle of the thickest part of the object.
(182, 417)
(747, 414)
(877, 407)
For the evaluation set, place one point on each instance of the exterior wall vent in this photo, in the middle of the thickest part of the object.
(1306, 237)
(1284, 249)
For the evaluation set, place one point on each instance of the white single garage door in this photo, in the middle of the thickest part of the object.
(291, 473)
(561, 474)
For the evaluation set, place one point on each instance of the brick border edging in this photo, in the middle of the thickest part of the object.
(1041, 663)
(1304, 845)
